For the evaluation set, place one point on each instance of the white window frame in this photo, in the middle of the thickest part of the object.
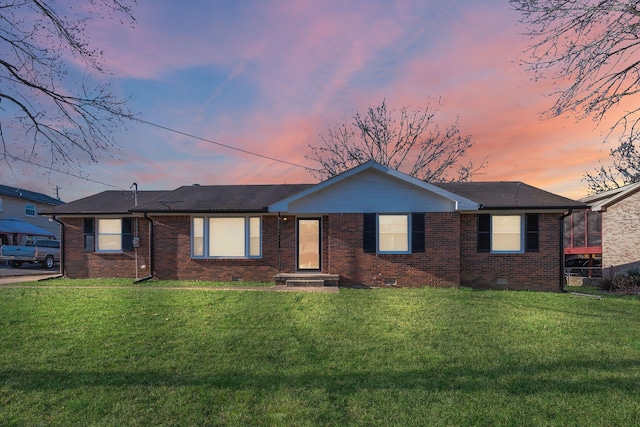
(201, 228)
(379, 239)
(100, 234)
(495, 233)
(30, 207)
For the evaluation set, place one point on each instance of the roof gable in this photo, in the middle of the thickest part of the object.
(601, 201)
(372, 187)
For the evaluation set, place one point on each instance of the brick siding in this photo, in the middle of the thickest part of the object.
(437, 266)
(450, 257)
(532, 270)
(81, 264)
(620, 236)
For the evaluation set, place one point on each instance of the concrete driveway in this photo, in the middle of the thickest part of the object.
(28, 272)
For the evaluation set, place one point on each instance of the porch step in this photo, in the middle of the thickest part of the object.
(305, 282)
(307, 279)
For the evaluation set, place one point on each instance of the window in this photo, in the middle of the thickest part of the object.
(505, 233)
(226, 237)
(29, 209)
(0, 204)
(508, 233)
(393, 233)
(114, 235)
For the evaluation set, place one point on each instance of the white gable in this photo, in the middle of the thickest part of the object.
(372, 188)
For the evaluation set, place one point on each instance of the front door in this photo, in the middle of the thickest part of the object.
(309, 253)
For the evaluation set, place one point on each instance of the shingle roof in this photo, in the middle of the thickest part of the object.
(257, 198)
(32, 196)
(107, 202)
(221, 198)
(509, 195)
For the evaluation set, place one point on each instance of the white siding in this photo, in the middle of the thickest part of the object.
(371, 191)
(14, 208)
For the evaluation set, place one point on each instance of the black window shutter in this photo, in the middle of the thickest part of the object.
(417, 233)
(484, 233)
(369, 233)
(127, 235)
(532, 233)
(89, 234)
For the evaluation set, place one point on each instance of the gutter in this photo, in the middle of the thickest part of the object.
(151, 251)
(561, 257)
(532, 208)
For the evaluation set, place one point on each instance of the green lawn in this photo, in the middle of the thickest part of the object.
(145, 356)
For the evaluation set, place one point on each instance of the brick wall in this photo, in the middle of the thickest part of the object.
(620, 236)
(81, 264)
(533, 270)
(437, 266)
(173, 253)
(450, 257)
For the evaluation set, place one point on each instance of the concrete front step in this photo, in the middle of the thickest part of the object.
(305, 282)
(307, 279)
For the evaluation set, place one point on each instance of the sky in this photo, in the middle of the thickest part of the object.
(269, 76)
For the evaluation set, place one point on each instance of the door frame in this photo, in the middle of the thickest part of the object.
(319, 220)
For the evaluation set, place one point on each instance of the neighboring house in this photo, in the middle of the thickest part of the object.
(620, 227)
(583, 243)
(370, 226)
(25, 206)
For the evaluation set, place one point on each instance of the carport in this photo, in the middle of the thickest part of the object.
(12, 229)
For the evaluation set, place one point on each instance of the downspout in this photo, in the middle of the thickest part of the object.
(151, 264)
(562, 277)
(53, 217)
(279, 245)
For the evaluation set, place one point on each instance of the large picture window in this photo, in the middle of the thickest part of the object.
(508, 233)
(226, 237)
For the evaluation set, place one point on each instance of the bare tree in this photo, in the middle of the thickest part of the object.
(406, 140)
(625, 169)
(56, 102)
(590, 48)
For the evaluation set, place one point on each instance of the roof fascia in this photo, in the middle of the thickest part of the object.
(520, 210)
(616, 197)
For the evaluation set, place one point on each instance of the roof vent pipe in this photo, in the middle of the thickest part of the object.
(135, 193)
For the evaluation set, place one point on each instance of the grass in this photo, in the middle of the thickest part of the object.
(144, 356)
(111, 283)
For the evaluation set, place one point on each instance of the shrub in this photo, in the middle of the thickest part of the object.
(627, 283)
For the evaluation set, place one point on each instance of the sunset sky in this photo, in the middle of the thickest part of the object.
(269, 76)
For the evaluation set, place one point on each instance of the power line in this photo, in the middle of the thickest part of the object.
(225, 145)
(18, 159)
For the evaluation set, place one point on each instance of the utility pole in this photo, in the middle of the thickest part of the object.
(57, 190)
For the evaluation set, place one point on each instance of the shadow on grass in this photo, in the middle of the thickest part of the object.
(563, 377)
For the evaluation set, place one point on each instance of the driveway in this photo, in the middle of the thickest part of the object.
(26, 273)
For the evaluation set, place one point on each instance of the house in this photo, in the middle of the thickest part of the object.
(616, 214)
(370, 226)
(19, 217)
